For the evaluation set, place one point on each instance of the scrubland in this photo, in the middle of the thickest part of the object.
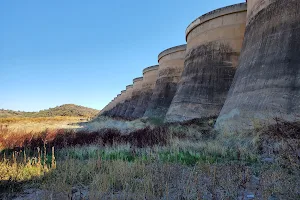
(153, 161)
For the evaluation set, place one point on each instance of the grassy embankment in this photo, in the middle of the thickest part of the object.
(187, 161)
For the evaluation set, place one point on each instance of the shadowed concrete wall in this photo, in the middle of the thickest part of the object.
(267, 81)
(127, 98)
(149, 79)
(136, 92)
(214, 43)
(113, 103)
(120, 103)
(111, 106)
(171, 64)
(106, 109)
(114, 106)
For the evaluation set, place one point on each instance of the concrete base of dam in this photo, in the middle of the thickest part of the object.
(142, 104)
(131, 107)
(119, 109)
(204, 84)
(214, 42)
(267, 81)
(171, 64)
(124, 108)
(161, 99)
(149, 80)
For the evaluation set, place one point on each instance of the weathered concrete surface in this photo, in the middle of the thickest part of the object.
(105, 109)
(108, 107)
(149, 80)
(118, 109)
(113, 104)
(115, 108)
(171, 64)
(127, 98)
(136, 92)
(214, 42)
(267, 81)
(120, 103)
(108, 111)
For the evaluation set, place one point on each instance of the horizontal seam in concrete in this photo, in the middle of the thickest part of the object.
(170, 53)
(137, 79)
(213, 29)
(216, 41)
(149, 69)
(176, 49)
(210, 20)
(191, 102)
(168, 77)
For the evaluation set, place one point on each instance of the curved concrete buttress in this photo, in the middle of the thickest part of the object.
(214, 42)
(267, 82)
(119, 103)
(171, 64)
(136, 92)
(110, 106)
(106, 108)
(112, 111)
(128, 96)
(103, 110)
(149, 80)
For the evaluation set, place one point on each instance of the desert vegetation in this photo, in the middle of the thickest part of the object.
(163, 161)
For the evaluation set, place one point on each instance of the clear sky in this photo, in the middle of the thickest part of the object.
(85, 52)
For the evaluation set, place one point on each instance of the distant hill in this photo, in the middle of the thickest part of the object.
(70, 110)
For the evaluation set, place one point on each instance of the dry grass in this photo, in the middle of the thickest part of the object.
(97, 178)
(21, 167)
(174, 161)
(15, 131)
(14, 120)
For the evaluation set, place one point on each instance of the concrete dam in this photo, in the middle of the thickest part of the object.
(124, 96)
(171, 64)
(267, 82)
(120, 100)
(214, 42)
(107, 108)
(241, 64)
(136, 93)
(149, 80)
(114, 103)
(127, 99)
(123, 103)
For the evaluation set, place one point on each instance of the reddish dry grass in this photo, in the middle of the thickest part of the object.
(62, 138)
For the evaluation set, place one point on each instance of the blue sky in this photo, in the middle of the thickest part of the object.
(85, 52)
